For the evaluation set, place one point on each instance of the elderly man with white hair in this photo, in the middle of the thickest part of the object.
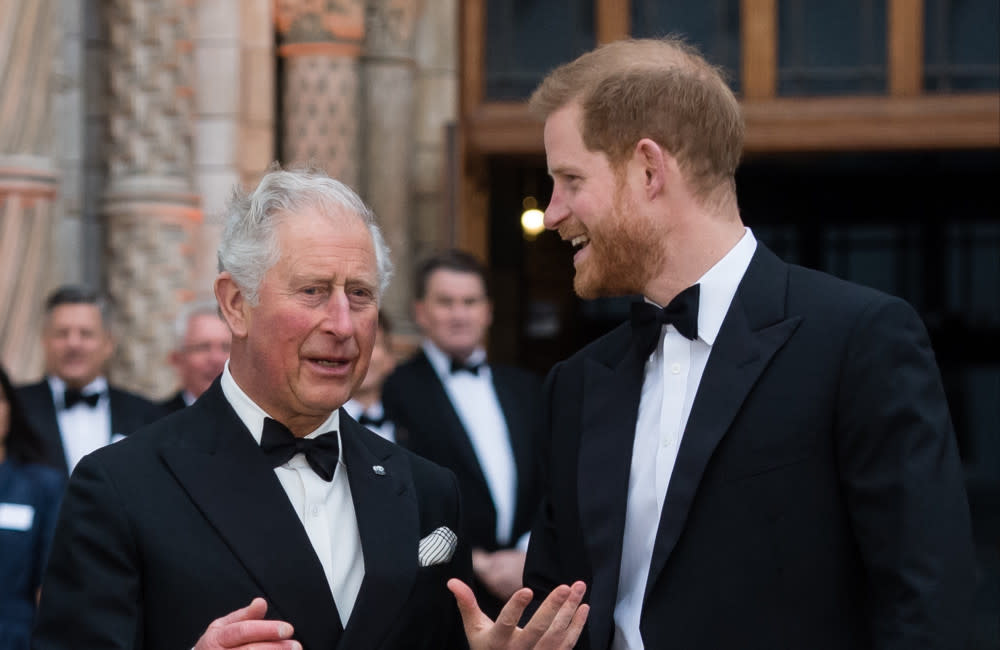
(263, 515)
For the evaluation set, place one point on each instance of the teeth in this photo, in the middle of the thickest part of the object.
(328, 364)
(579, 240)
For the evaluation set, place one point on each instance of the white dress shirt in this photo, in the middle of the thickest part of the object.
(673, 374)
(326, 509)
(478, 408)
(83, 428)
(356, 409)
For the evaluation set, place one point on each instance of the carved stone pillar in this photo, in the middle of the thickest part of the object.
(27, 178)
(389, 72)
(151, 208)
(319, 47)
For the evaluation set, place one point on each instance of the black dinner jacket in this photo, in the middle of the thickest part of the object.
(817, 500)
(128, 413)
(185, 521)
(426, 423)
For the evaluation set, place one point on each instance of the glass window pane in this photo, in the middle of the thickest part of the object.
(713, 26)
(831, 48)
(962, 45)
(525, 39)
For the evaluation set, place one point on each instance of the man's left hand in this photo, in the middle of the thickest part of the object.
(500, 572)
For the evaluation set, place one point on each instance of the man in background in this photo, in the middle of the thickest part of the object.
(365, 404)
(203, 341)
(74, 408)
(478, 419)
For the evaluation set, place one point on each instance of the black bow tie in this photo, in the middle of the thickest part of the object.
(72, 397)
(368, 421)
(460, 366)
(682, 313)
(280, 445)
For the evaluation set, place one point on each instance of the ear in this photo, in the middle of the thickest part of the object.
(232, 304)
(420, 314)
(655, 164)
(489, 313)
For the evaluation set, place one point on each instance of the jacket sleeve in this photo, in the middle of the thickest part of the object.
(904, 483)
(91, 591)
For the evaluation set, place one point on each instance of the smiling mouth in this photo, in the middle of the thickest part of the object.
(579, 241)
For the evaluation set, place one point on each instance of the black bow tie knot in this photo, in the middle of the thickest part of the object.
(465, 366)
(682, 313)
(371, 421)
(321, 452)
(72, 397)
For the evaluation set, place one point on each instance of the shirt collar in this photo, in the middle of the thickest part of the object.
(253, 415)
(441, 362)
(719, 284)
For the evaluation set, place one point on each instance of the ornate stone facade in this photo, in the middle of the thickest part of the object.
(163, 106)
(28, 175)
(151, 209)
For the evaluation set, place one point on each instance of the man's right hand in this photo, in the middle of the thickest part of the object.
(247, 628)
(556, 625)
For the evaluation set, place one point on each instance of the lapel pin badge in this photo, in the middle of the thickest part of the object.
(378, 469)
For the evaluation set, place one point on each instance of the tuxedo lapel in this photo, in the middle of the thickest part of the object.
(386, 510)
(610, 404)
(520, 431)
(754, 329)
(439, 407)
(40, 406)
(223, 470)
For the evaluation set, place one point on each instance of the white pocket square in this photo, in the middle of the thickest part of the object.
(438, 547)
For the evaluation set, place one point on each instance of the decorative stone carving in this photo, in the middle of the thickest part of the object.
(151, 209)
(319, 43)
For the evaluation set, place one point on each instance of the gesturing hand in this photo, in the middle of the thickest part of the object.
(247, 628)
(555, 626)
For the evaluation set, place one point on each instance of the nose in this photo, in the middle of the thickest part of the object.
(338, 319)
(555, 212)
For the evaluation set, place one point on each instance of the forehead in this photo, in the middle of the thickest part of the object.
(82, 315)
(205, 324)
(314, 242)
(455, 283)
(565, 151)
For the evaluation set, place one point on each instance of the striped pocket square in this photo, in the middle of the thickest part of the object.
(438, 547)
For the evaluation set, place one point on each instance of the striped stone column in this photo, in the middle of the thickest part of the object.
(28, 178)
(150, 205)
(319, 49)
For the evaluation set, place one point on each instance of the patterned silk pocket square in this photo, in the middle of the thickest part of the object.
(438, 547)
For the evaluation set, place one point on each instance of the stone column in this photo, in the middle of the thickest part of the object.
(388, 108)
(319, 48)
(28, 37)
(151, 208)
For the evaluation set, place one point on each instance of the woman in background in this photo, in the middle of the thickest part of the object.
(29, 499)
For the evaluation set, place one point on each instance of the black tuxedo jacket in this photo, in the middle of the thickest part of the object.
(175, 403)
(128, 413)
(817, 499)
(185, 521)
(426, 422)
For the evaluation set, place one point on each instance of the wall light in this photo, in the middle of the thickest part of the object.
(532, 219)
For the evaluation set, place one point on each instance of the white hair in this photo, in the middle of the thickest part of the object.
(187, 312)
(249, 247)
